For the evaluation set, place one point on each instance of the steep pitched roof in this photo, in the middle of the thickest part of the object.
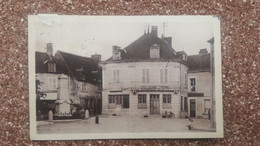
(199, 63)
(79, 66)
(41, 61)
(140, 49)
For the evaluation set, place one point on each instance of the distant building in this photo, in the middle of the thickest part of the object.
(147, 77)
(66, 79)
(199, 84)
(212, 70)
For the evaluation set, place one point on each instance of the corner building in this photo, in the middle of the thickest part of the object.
(148, 77)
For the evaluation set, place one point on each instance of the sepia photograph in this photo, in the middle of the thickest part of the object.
(124, 77)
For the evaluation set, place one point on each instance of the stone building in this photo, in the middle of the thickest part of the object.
(65, 80)
(199, 84)
(147, 77)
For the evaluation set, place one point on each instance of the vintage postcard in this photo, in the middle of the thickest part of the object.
(124, 77)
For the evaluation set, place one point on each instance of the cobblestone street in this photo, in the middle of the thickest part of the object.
(118, 124)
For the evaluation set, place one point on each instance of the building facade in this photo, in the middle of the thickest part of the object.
(65, 80)
(147, 77)
(200, 85)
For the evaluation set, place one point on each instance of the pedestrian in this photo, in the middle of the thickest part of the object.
(209, 114)
(190, 126)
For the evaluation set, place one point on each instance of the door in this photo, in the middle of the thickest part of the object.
(193, 108)
(154, 104)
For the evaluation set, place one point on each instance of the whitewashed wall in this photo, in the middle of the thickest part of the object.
(203, 81)
(44, 78)
(130, 75)
(203, 85)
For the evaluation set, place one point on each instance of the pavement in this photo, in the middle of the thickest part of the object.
(116, 124)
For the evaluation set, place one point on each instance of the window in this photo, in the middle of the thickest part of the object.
(83, 87)
(163, 75)
(119, 99)
(167, 100)
(111, 99)
(122, 100)
(51, 67)
(192, 84)
(116, 55)
(145, 75)
(52, 84)
(155, 51)
(186, 80)
(184, 57)
(116, 76)
(206, 105)
(181, 103)
(142, 101)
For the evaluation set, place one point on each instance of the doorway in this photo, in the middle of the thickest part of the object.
(154, 104)
(192, 108)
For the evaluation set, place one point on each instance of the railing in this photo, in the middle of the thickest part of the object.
(41, 117)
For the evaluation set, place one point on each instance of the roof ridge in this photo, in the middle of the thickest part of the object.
(73, 54)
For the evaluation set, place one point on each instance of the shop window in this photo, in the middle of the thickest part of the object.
(142, 101)
(167, 100)
(122, 100)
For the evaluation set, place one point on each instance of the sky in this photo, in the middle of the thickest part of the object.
(87, 35)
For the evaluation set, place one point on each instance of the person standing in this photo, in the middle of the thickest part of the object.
(190, 126)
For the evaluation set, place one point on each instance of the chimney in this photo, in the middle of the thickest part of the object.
(115, 48)
(203, 51)
(154, 30)
(168, 40)
(49, 49)
(96, 57)
(116, 52)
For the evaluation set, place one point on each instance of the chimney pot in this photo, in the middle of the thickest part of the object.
(154, 30)
(96, 57)
(203, 51)
(168, 40)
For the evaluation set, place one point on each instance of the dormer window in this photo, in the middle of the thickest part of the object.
(116, 55)
(51, 67)
(116, 52)
(184, 57)
(155, 51)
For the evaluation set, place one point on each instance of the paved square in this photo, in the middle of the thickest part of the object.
(108, 124)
